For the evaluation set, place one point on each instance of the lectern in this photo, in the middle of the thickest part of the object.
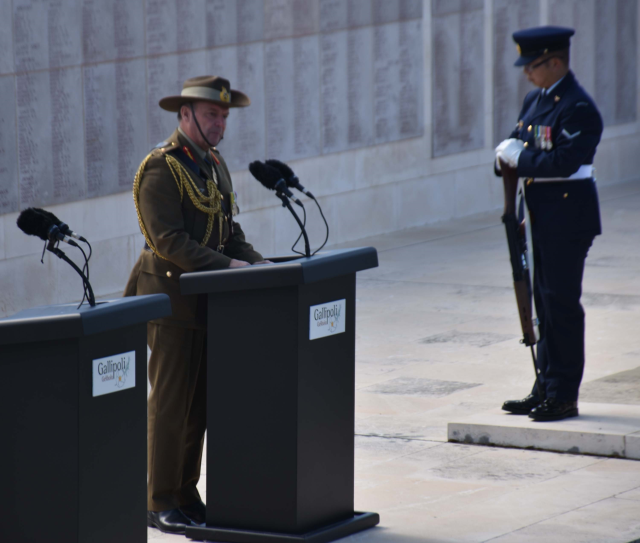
(280, 403)
(73, 421)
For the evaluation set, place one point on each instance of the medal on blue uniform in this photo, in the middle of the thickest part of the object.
(543, 137)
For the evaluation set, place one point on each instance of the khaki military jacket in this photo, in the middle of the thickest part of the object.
(176, 229)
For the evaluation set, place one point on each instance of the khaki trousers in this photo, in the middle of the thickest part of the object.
(176, 415)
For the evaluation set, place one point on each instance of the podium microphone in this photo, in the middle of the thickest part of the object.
(41, 223)
(34, 223)
(64, 227)
(271, 178)
(290, 178)
(293, 181)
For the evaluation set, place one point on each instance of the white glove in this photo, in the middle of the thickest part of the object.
(509, 151)
(503, 144)
(499, 148)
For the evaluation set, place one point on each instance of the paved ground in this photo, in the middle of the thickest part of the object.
(437, 340)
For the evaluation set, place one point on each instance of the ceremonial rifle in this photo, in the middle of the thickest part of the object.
(517, 242)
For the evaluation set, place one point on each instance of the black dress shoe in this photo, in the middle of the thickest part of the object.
(521, 407)
(552, 409)
(197, 512)
(171, 521)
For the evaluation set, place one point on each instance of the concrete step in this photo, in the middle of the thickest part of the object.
(601, 429)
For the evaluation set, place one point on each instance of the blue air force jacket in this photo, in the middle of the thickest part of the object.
(561, 131)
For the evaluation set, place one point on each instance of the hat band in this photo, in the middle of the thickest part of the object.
(207, 93)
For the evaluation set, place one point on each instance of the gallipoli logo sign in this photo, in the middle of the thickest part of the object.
(114, 373)
(327, 319)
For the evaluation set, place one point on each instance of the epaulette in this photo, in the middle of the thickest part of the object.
(167, 147)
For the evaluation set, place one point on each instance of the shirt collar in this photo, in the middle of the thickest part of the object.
(545, 92)
(202, 154)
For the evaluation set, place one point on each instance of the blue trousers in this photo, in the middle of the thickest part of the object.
(558, 272)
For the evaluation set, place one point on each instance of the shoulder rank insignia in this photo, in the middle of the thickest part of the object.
(570, 136)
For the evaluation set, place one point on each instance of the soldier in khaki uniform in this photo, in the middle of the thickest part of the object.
(185, 204)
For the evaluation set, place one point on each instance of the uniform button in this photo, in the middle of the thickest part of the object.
(526, 144)
(529, 128)
(529, 181)
(169, 274)
(566, 195)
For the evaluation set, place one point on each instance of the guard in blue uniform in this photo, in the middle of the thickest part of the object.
(552, 147)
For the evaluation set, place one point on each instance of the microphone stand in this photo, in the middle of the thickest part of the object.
(60, 254)
(287, 204)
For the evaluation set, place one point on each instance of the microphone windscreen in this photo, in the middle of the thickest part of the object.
(49, 215)
(33, 223)
(267, 175)
(285, 171)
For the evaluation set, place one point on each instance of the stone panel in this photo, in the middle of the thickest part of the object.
(111, 29)
(278, 19)
(346, 89)
(359, 13)
(386, 11)
(509, 83)
(222, 23)
(292, 119)
(616, 61)
(175, 25)
(334, 14)
(250, 21)
(581, 15)
(6, 39)
(306, 98)
(47, 34)
(9, 187)
(606, 65)
(458, 76)
(234, 21)
(50, 137)
(334, 93)
(279, 75)
(115, 125)
(360, 87)
(627, 62)
(410, 9)
(386, 80)
(306, 17)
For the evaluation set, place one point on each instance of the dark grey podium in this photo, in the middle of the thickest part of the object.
(73, 421)
(280, 405)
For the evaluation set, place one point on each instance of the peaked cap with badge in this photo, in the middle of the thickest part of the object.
(532, 43)
(206, 88)
(554, 143)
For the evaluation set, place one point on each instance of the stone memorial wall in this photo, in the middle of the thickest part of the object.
(388, 110)
(324, 76)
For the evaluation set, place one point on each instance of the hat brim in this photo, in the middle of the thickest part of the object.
(522, 61)
(174, 103)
